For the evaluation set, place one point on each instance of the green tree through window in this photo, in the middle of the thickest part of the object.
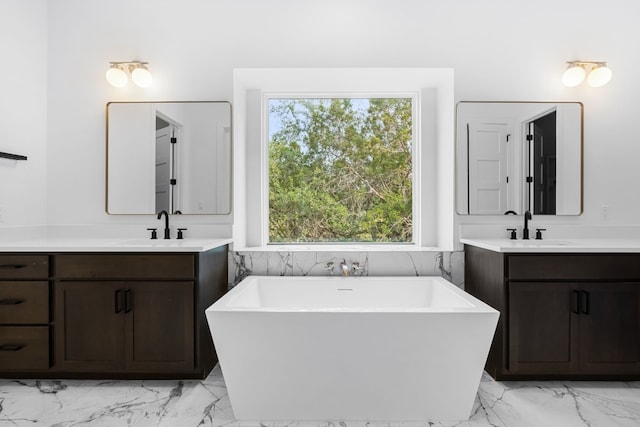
(340, 170)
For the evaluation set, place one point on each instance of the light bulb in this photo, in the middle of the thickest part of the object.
(599, 76)
(573, 76)
(141, 77)
(117, 77)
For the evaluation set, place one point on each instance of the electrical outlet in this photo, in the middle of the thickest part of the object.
(1, 214)
(200, 206)
(604, 213)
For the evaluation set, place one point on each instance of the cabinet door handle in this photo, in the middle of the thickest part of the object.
(12, 266)
(127, 300)
(118, 300)
(575, 302)
(585, 302)
(11, 347)
(11, 301)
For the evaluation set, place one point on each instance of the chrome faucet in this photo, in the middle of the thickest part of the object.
(345, 268)
(167, 231)
(357, 269)
(525, 230)
(329, 267)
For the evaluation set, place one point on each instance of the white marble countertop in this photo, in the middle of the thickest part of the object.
(50, 244)
(570, 245)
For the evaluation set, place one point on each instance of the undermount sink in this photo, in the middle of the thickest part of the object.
(540, 243)
(153, 242)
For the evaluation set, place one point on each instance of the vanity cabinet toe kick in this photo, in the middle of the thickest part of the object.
(563, 316)
(109, 315)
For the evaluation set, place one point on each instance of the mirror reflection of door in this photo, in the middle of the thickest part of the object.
(543, 164)
(488, 154)
(163, 166)
(166, 188)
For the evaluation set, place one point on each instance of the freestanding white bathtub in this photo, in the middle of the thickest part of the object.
(357, 348)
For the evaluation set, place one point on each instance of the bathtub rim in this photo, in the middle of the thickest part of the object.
(477, 306)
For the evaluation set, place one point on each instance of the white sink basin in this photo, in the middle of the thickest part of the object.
(160, 242)
(190, 244)
(541, 243)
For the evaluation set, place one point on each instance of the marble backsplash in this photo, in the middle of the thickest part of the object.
(449, 265)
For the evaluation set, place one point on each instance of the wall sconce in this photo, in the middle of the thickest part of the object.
(599, 73)
(140, 74)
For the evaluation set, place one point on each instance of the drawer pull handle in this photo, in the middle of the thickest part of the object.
(11, 347)
(585, 302)
(118, 300)
(11, 301)
(127, 300)
(576, 302)
(12, 266)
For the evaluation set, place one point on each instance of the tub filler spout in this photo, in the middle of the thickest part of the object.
(345, 268)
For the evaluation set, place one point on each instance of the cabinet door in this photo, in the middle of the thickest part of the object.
(89, 326)
(610, 328)
(543, 327)
(160, 326)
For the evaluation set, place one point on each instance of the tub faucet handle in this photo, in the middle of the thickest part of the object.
(329, 267)
(357, 269)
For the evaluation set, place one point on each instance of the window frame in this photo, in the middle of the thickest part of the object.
(437, 171)
(415, 158)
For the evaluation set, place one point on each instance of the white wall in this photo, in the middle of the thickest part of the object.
(500, 50)
(23, 111)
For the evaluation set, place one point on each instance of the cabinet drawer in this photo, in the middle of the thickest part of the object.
(574, 267)
(24, 302)
(24, 347)
(24, 266)
(125, 266)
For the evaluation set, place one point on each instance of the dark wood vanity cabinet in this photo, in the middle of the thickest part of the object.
(131, 315)
(141, 306)
(144, 326)
(24, 312)
(562, 315)
(89, 333)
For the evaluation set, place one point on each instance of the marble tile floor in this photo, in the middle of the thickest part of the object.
(206, 403)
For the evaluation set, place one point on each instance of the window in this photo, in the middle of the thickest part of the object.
(432, 159)
(340, 169)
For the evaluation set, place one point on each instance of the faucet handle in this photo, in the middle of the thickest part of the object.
(154, 233)
(329, 267)
(539, 233)
(514, 236)
(180, 230)
(357, 269)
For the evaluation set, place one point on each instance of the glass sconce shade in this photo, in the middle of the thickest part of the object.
(599, 76)
(573, 76)
(598, 73)
(141, 77)
(118, 73)
(117, 77)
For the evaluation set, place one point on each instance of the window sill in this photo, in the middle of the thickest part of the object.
(339, 248)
